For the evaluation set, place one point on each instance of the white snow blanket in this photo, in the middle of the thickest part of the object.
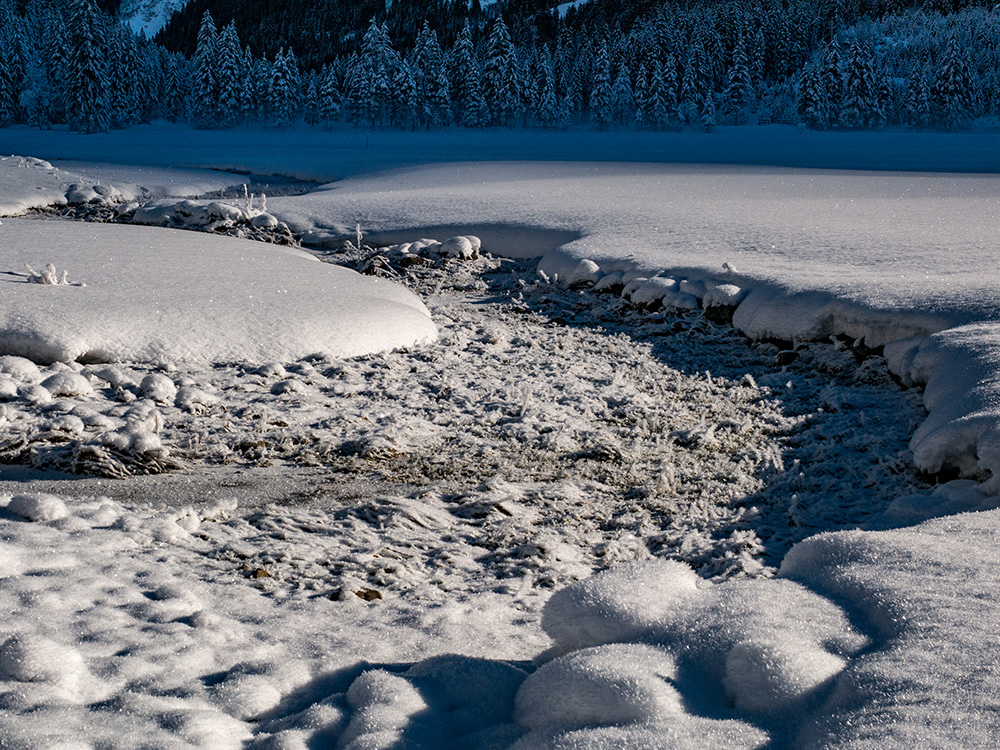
(128, 627)
(168, 297)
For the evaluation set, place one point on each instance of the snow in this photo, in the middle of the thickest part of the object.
(399, 548)
(149, 16)
(167, 297)
(28, 182)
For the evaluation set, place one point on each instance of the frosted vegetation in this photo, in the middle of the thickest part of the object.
(664, 66)
(576, 507)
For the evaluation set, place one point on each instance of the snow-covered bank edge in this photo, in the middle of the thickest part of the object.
(958, 366)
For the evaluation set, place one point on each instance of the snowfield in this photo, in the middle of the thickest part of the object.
(680, 482)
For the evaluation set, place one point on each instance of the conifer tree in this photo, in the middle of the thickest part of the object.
(330, 99)
(36, 98)
(205, 87)
(600, 92)
(830, 85)
(738, 95)
(622, 97)
(476, 113)
(231, 77)
(461, 63)
(859, 88)
(952, 93)
(548, 110)
(500, 75)
(87, 107)
(283, 89)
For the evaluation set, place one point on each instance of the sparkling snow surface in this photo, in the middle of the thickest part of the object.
(397, 550)
(166, 297)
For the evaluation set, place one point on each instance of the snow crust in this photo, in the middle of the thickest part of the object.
(167, 297)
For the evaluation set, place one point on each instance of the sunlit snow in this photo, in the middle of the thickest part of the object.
(463, 613)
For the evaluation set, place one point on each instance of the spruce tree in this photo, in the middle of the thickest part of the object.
(87, 86)
(476, 112)
(283, 89)
(231, 77)
(205, 87)
(500, 75)
(600, 92)
(330, 99)
(952, 94)
(622, 97)
(859, 89)
(738, 95)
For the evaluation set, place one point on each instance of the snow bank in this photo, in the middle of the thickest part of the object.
(168, 297)
(28, 182)
(777, 659)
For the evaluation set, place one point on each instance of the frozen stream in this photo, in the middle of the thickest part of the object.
(547, 434)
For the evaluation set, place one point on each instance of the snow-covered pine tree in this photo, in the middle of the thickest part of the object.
(9, 88)
(87, 86)
(952, 93)
(404, 97)
(125, 100)
(917, 102)
(460, 64)
(174, 91)
(283, 89)
(810, 100)
(231, 77)
(708, 113)
(330, 99)
(548, 110)
(54, 55)
(643, 110)
(694, 85)
(380, 59)
(476, 113)
(205, 87)
(440, 100)
(622, 97)
(310, 105)
(36, 97)
(830, 85)
(500, 75)
(433, 103)
(601, 114)
(737, 97)
(859, 88)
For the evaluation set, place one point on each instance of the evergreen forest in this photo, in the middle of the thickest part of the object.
(430, 64)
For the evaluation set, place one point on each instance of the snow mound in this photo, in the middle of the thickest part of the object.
(618, 605)
(164, 298)
(213, 216)
(38, 507)
(31, 658)
(618, 684)
(766, 647)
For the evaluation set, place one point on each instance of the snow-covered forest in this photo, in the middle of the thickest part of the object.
(659, 66)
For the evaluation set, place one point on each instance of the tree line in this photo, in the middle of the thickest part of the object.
(679, 65)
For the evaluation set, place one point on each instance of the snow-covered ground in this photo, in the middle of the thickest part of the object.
(399, 549)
